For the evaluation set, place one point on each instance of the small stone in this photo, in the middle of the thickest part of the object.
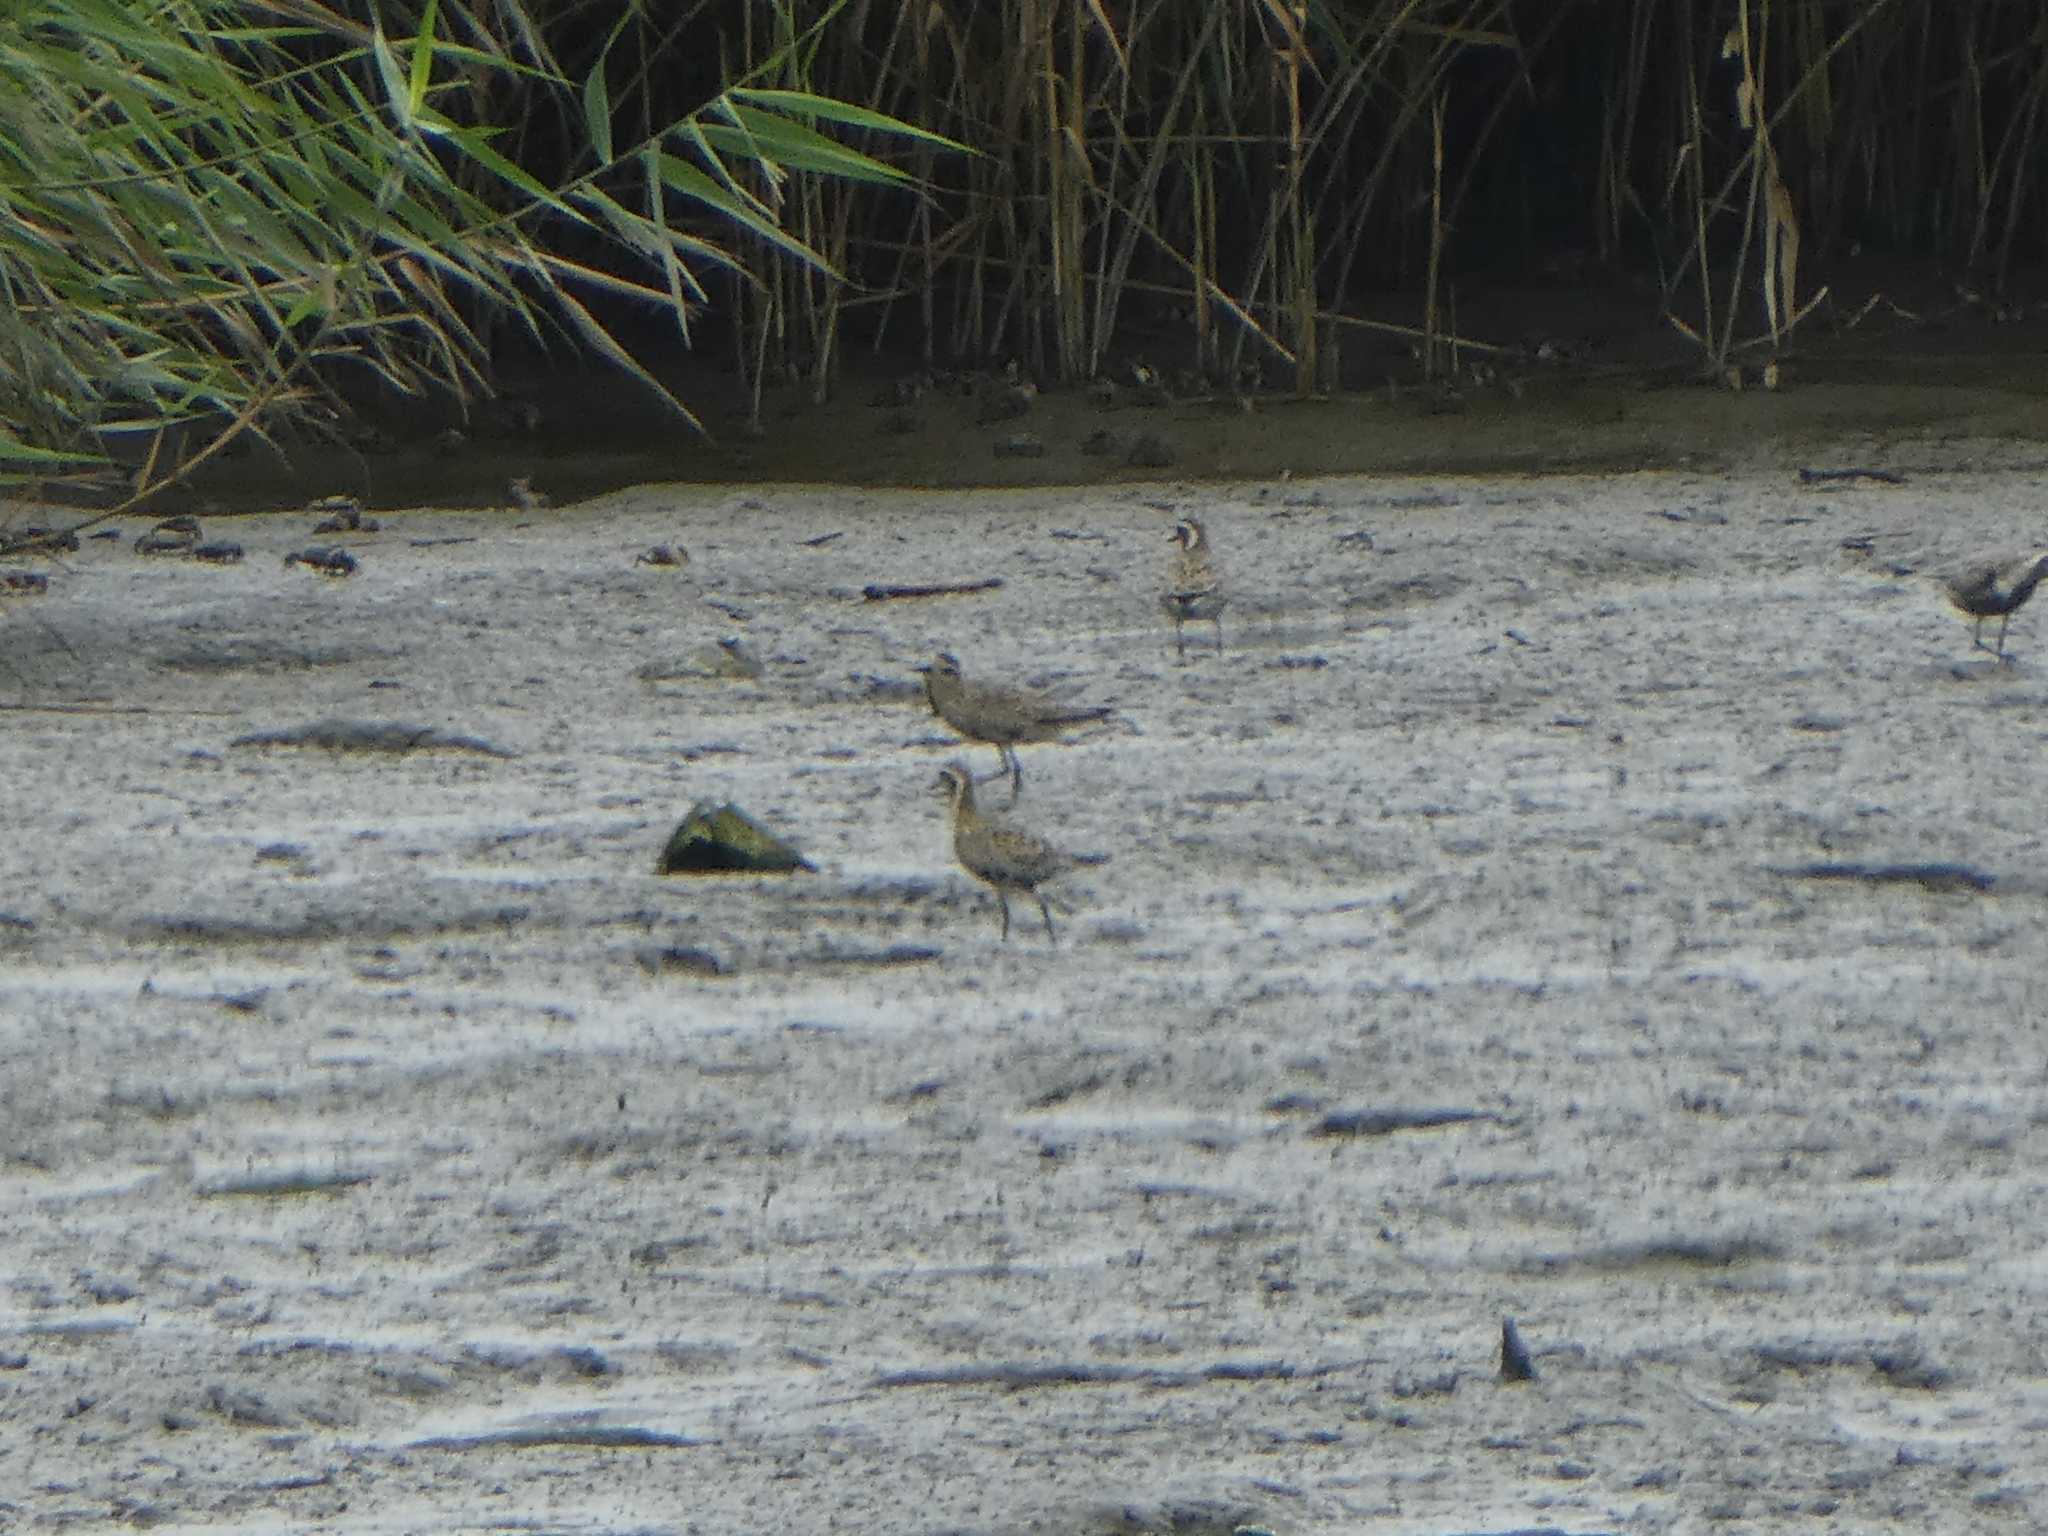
(1515, 1364)
(661, 959)
(723, 839)
(342, 511)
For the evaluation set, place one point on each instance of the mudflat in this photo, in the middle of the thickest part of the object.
(1610, 902)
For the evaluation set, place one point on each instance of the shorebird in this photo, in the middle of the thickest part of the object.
(1003, 857)
(1000, 717)
(1993, 588)
(526, 497)
(1194, 592)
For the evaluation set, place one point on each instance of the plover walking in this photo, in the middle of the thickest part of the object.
(1194, 590)
(1003, 857)
(1002, 718)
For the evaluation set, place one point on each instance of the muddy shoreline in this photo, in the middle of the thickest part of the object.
(367, 1167)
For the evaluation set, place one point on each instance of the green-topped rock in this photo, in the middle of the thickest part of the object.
(718, 839)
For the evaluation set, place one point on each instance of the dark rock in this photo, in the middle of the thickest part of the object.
(723, 839)
(1515, 1364)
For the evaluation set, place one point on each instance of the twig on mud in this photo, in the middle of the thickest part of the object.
(879, 593)
(393, 736)
(1933, 877)
(1384, 1122)
(18, 708)
(1074, 1373)
(1810, 476)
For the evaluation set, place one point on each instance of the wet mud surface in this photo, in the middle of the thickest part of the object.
(1508, 923)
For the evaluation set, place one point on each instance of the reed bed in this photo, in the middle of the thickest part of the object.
(213, 213)
(212, 208)
(1236, 174)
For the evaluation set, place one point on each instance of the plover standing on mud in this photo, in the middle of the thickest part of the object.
(1194, 590)
(1993, 588)
(1003, 857)
(1000, 717)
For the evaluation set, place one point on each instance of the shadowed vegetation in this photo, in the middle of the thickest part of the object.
(1237, 174)
(217, 210)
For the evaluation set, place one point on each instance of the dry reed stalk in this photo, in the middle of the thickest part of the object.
(1066, 167)
(1767, 193)
(1290, 57)
(1391, 50)
(1255, 157)
(1436, 240)
(1201, 179)
(1181, 136)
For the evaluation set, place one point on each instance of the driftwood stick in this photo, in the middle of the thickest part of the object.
(878, 592)
(1810, 476)
(1933, 877)
(93, 707)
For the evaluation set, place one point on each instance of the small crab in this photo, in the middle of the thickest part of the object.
(172, 536)
(735, 660)
(47, 539)
(323, 561)
(664, 554)
(344, 514)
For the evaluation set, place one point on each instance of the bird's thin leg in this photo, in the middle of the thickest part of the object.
(1219, 637)
(1016, 773)
(1046, 912)
(1006, 913)
(1180, 640)
(2003, 620)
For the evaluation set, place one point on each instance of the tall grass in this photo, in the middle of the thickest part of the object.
(1249, 168)
(211, 211)
(210, 208)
